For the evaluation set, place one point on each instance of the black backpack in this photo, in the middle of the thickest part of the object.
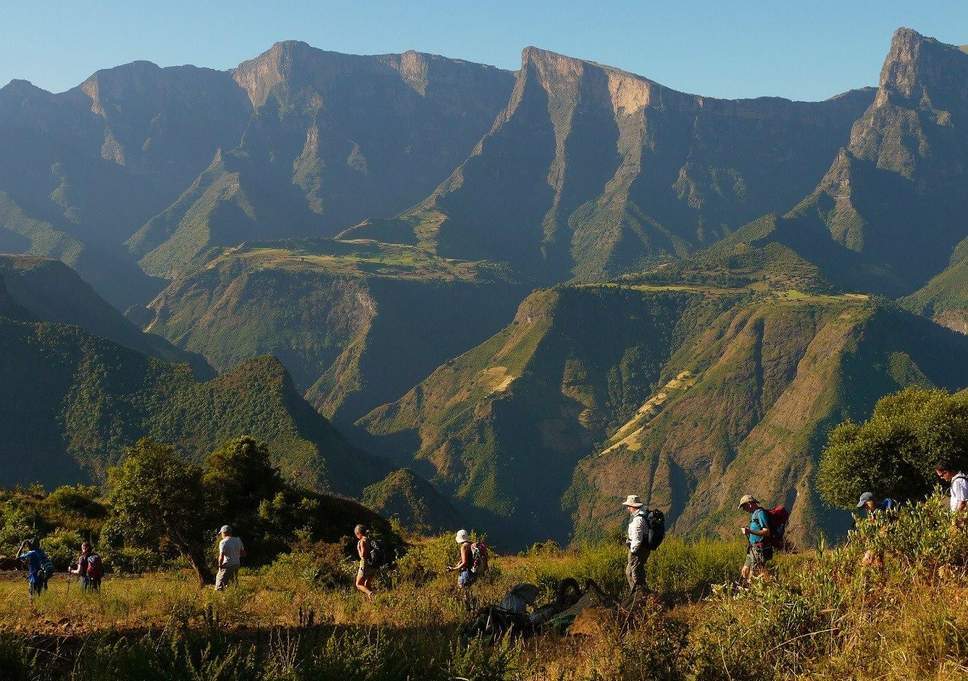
(377, 555)
(655, 520)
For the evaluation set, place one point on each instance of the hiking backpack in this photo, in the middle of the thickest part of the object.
(377, 555)
(46, 565)
(479, 557)
(776, 519)
(95, 568)
(655, 532)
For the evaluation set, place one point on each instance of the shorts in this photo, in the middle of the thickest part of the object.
(466, 578)
(758, 555)
(366, 571)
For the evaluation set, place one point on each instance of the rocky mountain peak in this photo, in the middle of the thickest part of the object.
(916, 64)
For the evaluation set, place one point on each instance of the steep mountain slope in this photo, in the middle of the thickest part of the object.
(890, 210)
(590, 171)
(74, 401)
(357, 324)
(502, 427)
(413, 502)
(295, 142)
(48, 290)
(333, 138)
(684, 394)
(136, 131)
(945, 297)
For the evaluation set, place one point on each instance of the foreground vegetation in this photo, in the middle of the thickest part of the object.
(822, 614)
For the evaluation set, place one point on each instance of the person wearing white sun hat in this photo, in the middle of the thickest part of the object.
(638, 543)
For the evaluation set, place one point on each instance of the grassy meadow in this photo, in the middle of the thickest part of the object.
(821, 614)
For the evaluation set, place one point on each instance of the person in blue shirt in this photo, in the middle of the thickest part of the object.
(31, 553)
(876, 510)
(758, 551)
(874, 507)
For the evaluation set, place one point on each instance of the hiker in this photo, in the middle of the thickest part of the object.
(759, 551)
(959, 488)
(37, 566)
(89, 568)
(876, 510)
(471, 564)
(368, 568)
(638, 544)
(466, 574)
(230, 553)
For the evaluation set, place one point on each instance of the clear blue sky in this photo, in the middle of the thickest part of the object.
(728, 48)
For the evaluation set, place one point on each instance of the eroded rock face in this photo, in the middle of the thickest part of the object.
(590, 170)
(889, 211)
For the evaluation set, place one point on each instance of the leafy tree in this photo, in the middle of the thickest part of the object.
(895, 451)
(158, 497)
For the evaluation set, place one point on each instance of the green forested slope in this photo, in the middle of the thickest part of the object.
(73, 402)
(684, 394)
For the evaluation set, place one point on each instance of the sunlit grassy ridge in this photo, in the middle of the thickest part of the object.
(822, 615)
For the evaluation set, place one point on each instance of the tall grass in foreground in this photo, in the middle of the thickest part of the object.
(823, 615)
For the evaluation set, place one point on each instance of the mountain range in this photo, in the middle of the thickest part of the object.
(530, 291)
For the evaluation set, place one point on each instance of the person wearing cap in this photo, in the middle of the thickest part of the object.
(230, 553)
(758, 552)
(874, 507)
(875, 511)
(367, 570)
(638, 543)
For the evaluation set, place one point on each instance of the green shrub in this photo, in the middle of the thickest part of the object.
(62, 547)
(320, 565)
(426, 560)
(692, 568)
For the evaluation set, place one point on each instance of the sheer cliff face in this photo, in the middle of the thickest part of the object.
(891, 208)
(590, 171)
(157, 165)
(333, 138)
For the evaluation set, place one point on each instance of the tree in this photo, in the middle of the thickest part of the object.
(158, 497)
(893, 454)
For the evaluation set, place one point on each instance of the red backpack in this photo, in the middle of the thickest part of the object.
(95, 568)
(776, 519)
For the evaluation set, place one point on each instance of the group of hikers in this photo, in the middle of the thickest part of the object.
(646, 528)
(89, 568)
(471, 565)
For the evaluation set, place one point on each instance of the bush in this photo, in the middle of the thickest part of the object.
(62, 547)
(426, 560)
(692, 568)
(132, 560)
(321, 565)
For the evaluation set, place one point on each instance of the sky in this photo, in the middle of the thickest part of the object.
(723, 48)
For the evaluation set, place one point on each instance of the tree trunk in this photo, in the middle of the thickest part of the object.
(197, 558)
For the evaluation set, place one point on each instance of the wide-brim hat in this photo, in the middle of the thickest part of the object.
(462, 536)
(747, 499)
(633, 501)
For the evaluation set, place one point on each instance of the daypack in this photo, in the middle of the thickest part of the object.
(656, 528)
(95, 568)
(776, 519)
(479, 557)
(46, 565)
(377, 555)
